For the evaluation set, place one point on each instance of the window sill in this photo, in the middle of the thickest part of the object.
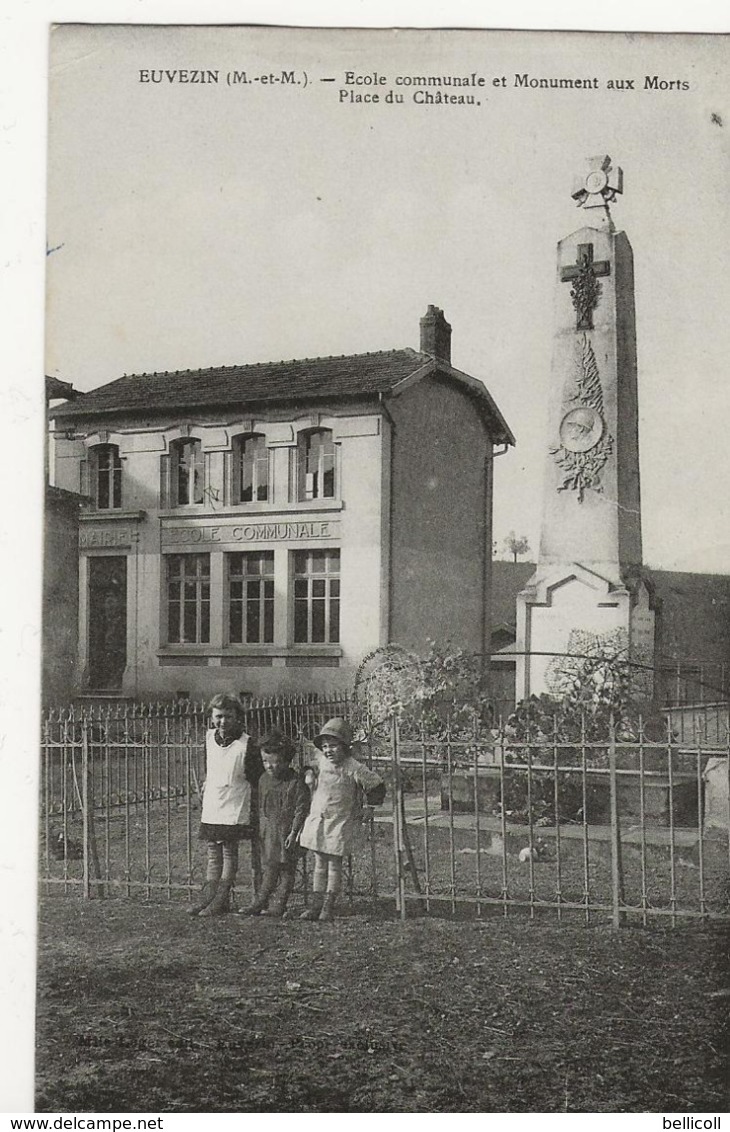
(204, 511)
(251, 650)
(95, 515)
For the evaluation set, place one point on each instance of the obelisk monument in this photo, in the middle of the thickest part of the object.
(588, 582)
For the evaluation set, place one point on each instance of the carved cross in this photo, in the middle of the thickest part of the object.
(586, 289)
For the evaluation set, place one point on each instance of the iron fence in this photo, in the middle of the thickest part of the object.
(622, 826)
(691, 681)
(699, 724)
(121, 789)
(478, 818)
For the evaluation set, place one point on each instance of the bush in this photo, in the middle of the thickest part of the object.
(442, 697)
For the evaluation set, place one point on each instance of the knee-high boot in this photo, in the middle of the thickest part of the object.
(327, 914)
(207, 893)
(314, 909)
(284, 891)
(221, 902)
(268, 884)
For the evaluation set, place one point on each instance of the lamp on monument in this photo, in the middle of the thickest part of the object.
(599, 184)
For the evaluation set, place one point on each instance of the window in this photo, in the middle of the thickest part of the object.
(316, 596)
(188, 598)
(187, 472)
(250, 470)
(105, 477)
(317, 465)
(251, 598)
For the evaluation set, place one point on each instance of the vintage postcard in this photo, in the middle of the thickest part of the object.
(386, 618)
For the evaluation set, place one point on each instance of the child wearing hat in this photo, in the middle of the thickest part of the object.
(334, 817)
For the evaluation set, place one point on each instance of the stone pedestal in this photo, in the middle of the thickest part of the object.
(562, 598)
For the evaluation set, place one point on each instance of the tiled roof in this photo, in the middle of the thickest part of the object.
(508, 578)
(61, 497)
(299, 381)
(57, 388)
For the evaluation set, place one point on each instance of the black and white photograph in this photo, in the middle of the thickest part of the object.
(382, 738)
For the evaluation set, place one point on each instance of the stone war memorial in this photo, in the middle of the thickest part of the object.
(590, 598)
(588, 583)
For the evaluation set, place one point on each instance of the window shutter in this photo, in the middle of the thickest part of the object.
(270, 474)
(205, 492)
(84, 486)
(119, 497)
(227, 478)
(165, 465)
(293, 487)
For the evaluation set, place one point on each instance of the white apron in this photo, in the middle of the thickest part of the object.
(227, 794)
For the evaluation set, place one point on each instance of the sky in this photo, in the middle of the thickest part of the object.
(198, 225)
(195, 225)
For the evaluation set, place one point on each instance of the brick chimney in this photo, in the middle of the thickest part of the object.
(436, 335)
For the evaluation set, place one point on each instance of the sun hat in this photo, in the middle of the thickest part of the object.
(335, 729)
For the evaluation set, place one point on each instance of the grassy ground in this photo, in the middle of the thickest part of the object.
(141, 1008)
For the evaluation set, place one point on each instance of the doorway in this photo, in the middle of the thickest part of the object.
(107, 622)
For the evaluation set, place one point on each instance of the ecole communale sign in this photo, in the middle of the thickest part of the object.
(251, 532)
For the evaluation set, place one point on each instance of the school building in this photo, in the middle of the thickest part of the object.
(264, 527)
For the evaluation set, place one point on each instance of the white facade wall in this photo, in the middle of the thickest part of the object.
(145, 529)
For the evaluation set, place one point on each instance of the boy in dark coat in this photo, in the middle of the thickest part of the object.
(283, 805)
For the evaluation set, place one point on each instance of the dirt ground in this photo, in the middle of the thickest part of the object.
(144, 1009)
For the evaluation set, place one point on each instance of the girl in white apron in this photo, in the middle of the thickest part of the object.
(233, 768)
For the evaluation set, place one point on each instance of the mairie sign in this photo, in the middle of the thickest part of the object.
(98, 537)
(252, 532)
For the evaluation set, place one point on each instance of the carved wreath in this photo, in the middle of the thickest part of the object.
(583, 470)
(585, 293)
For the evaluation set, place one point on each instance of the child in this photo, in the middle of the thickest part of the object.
(283, 805)
(334, 818)
(233, 768)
